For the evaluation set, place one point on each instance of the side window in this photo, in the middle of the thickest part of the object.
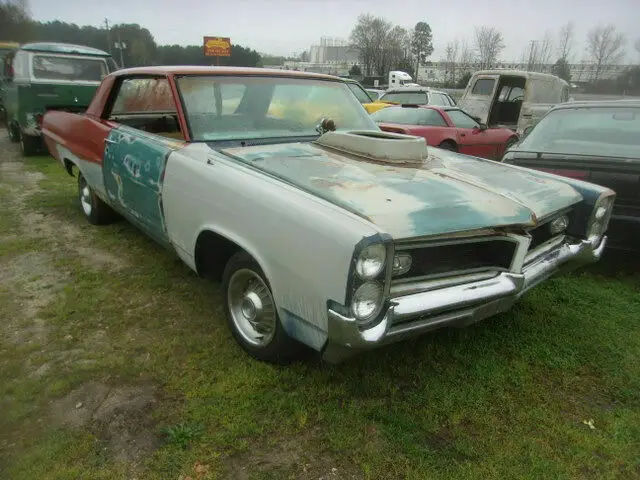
(516, 94)
(360, 94)
(438, 99)
(483, 86)
(452, 102)
(147, 104)
(143, 95)
(433, 118)
(461, 119)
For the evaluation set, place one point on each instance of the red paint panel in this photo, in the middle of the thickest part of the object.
(81, 134)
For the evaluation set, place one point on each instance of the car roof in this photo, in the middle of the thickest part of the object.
(201, 70)
(633, 103)
(519, 73)
(414, 90)
(56, 47)
(427, 107)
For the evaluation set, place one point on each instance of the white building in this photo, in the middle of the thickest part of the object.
(441, 72)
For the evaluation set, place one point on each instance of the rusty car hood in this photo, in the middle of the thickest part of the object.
(445, 193)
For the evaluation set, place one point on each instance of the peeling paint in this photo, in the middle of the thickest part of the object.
(134, 166)
(447, 193)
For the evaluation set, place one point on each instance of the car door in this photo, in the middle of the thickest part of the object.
(472, 138)
(478, 97)
(135, 155)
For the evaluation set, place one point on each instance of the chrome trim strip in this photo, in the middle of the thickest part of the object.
(406, 288)
(544, 248)
(505, 237)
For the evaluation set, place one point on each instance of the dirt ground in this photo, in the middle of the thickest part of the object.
(118, 415)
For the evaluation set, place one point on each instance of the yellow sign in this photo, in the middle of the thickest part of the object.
(217, 47)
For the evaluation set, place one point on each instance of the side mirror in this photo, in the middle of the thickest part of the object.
(482, 127)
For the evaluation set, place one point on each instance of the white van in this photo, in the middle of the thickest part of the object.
(512, 98)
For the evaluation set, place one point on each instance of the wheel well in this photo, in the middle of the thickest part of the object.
(449, 142)
(68, 165)
(212, 253)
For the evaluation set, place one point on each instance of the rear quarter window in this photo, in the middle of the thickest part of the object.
(483, 86)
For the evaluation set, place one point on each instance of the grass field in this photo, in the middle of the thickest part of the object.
(115, 362)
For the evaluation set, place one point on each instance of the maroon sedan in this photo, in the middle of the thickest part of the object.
(447, 127)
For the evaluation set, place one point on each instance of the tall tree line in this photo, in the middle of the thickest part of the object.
(140, 46)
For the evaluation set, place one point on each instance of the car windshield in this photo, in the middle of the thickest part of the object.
(58, 67)
(236, 108)
(409, 98)
(408, 116)
(605, 131)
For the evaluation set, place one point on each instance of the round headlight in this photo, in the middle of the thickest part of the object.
(558, 225)
(367, 301)
(371, 261)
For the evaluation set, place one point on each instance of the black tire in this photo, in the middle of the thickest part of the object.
(94, 209)
(29, 145)
(13, 132)
(447, 145)
(279, 348)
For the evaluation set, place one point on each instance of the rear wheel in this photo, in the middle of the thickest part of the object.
(29, 145)
(251, 312)
(94, 209)
(447, 145)
(12, 131)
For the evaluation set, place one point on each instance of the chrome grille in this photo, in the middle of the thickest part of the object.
(494, 253)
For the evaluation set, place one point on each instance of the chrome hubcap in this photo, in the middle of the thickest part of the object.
(85, 199)
(252, 307)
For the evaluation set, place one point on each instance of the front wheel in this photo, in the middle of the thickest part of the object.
(251, 311)
(94, 209)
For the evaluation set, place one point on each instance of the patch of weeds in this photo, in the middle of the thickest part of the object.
(183, 434)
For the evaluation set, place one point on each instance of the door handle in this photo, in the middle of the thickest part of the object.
(107, 140)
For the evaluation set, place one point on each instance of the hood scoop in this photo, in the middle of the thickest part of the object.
(380, 146)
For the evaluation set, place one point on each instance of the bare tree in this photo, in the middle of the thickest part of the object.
(605, 46)
(539, 53)
(363, 38)
(381, 45)
(467, 56)
(489, 44)
(565, 41)
(450, 60)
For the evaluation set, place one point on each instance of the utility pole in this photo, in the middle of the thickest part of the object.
(121, 46)
(531, 49)
(106, 23)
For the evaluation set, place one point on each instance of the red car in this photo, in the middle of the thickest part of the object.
(447, 127)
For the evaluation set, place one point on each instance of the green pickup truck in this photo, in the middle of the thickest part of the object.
(39, 77)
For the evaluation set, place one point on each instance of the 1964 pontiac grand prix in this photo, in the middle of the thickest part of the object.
(323, 229)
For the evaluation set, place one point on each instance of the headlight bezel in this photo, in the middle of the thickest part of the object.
(355, 281)
(598, 222)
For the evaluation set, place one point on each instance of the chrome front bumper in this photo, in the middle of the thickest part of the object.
(458, 305)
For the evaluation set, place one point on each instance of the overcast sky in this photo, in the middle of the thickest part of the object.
(284, 27)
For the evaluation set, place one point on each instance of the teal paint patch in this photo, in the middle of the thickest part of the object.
(448, 193)
(134, 164)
